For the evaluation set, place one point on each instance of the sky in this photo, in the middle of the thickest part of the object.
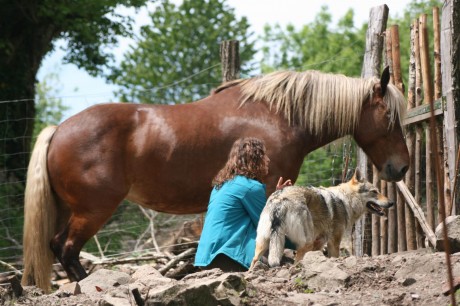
(78, 90)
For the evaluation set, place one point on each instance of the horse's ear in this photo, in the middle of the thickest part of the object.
(385, 79)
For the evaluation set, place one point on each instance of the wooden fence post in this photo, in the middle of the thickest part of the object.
(375, 219)
(378, 17)
(428, 98)
(400, 205)
(418, 133)
(444, 189)
(230, 59)
(383, 224)
(391, 226)
(410, 175)
(450, 53)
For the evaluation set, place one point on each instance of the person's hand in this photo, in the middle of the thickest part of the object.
(282, 184)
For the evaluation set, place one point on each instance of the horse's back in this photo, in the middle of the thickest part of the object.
(158, 156)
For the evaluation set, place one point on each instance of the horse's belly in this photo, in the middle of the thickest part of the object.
(170, 201)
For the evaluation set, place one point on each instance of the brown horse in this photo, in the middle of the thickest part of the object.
(164, 157)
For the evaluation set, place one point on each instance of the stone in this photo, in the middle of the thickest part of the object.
(70, 288)
(103, 280)
(222, 290)
(453, 230)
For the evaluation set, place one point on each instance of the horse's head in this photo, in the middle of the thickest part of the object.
(379, 131)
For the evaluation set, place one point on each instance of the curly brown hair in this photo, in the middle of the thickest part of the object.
(246, 158)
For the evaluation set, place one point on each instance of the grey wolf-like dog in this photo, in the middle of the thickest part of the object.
(310, 217)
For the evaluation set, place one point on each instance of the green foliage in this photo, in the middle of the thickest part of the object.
(49, 106)
(88, 27)
(301, 286)
(28, 32)
(316, 45)
(129, 230)
(11, 222)
(176, 59)
(340, 49)
(324, 166)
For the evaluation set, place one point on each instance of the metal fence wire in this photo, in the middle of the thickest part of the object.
(134, 229)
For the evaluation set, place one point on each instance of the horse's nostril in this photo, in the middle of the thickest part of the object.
(404, 169)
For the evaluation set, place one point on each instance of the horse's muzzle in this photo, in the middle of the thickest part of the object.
(391, 173)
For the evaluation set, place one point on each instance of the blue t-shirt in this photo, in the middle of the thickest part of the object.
(230, 226)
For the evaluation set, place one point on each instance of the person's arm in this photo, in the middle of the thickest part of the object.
(254, 202)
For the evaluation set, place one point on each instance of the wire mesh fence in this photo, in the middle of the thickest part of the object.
(133, 229)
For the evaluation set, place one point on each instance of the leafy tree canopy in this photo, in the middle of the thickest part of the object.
(316, 45)
(30, 28)
(28, 31)
(49, 107)
(176, 59)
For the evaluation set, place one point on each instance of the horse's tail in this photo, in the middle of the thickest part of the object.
(39, 216)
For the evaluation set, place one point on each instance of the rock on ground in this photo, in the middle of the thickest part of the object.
(407, 278)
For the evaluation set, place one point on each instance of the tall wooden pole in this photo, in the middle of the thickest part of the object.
(378, 17)
(383, 223)
(410, 140)
(418, 132)
(230, 60)
(395, 53)
(450, 54)
(392, 213)
(428, 98)
(444, 189)
(375, 219)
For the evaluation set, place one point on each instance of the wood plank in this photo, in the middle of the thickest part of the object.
(421, 113)
(418, 212)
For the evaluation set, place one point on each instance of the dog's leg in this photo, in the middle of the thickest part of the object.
(333, 247)
(301, 252)
(318, 244)
(261, 247)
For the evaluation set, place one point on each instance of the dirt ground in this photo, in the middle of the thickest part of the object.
(408, 278)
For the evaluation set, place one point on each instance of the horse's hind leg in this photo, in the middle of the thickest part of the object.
(68, 243)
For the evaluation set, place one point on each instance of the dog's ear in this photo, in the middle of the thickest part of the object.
(357, 178)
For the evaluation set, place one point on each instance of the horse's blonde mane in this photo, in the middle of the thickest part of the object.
(317, 100)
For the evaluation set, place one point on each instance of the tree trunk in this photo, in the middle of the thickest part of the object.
(19, 62)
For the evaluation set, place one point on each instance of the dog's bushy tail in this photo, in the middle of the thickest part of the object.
(277, 233)
(277, 239)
